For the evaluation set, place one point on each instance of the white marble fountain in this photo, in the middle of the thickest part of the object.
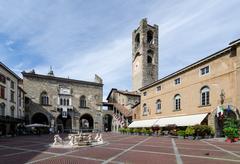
(77, 140)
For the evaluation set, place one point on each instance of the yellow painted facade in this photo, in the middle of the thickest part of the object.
(223, 77)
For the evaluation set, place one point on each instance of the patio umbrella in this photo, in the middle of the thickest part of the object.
(37, 125)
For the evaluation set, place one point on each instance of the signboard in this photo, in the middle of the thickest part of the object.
(65, 91)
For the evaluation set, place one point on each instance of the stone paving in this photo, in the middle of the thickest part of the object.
(120, 149)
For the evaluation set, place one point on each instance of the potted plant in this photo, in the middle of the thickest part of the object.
(131, 130)
(231, 134)
(190, 131)
(144, 131)
(181, 134)
(231, 130)
(135, 131)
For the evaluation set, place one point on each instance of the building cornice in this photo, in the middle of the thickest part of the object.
(60, 79)
(192, 66)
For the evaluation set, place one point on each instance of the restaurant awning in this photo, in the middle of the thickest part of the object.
(187, 120)
(143, 123)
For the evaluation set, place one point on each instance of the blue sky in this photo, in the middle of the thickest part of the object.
(82, 38)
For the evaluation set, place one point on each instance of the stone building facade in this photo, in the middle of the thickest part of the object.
(197, 90)
(11, 101)
(62, 103)
(120, 103)
(144, 55)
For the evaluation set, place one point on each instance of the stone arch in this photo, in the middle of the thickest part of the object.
(107, 122)
(137, 40)
(86, 122)
(39, 118)
(150, 37)
(64, 124)
(150, 57)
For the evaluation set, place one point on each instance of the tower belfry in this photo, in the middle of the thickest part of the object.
(144, 55)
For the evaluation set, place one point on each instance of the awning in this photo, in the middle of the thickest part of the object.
(143, 123)
(37, 125)
(187, 120)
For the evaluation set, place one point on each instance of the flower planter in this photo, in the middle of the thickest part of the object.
(180, 137)
(190, 137)
(228, 140)
(235, 139)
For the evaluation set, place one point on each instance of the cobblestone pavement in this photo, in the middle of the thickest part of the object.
(120, 149)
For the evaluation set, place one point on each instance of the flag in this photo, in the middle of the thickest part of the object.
(228, 108)
(218, 111)
(222, 110)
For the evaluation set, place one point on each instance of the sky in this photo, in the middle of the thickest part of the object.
(82, 38)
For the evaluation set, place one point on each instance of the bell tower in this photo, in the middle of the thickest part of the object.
(144, 55)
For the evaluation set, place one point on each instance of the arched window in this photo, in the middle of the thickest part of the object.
(82, 101)
(67, 102)
(150, 54)
(64, 101)
(177, 102)
(137, 40)
(2, 109)
(2, 78)
(145, 109)
(158, 106)
(20, 113)
(61, 101)
(149, 59)
(44, 98)
(205, 96)
(12, 111)
(150, 37)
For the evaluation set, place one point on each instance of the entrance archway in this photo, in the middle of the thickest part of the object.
(39, 118)
(107, 122)
(64, 124)
(86, 123)
(219, 121)
(3, 129)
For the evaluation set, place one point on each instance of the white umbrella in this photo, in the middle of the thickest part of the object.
(37, 125)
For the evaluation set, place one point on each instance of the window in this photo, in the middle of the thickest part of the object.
(159, 88)
(12, 84)
(44, 98)
(2, 92)
(145, 109)
(177, 102)
(12, 96)
(2, 109)
(149, 59)
(61, 101)
(150, 37)
(204, 70)
(67, 102)
(150, 55)
(20, 113)
(83, 101)
(144, 93)
(2, 79)
(158, 106)
(177, 81)
(205, 96)
(137, 40)
(20, 98)
(12, 111)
